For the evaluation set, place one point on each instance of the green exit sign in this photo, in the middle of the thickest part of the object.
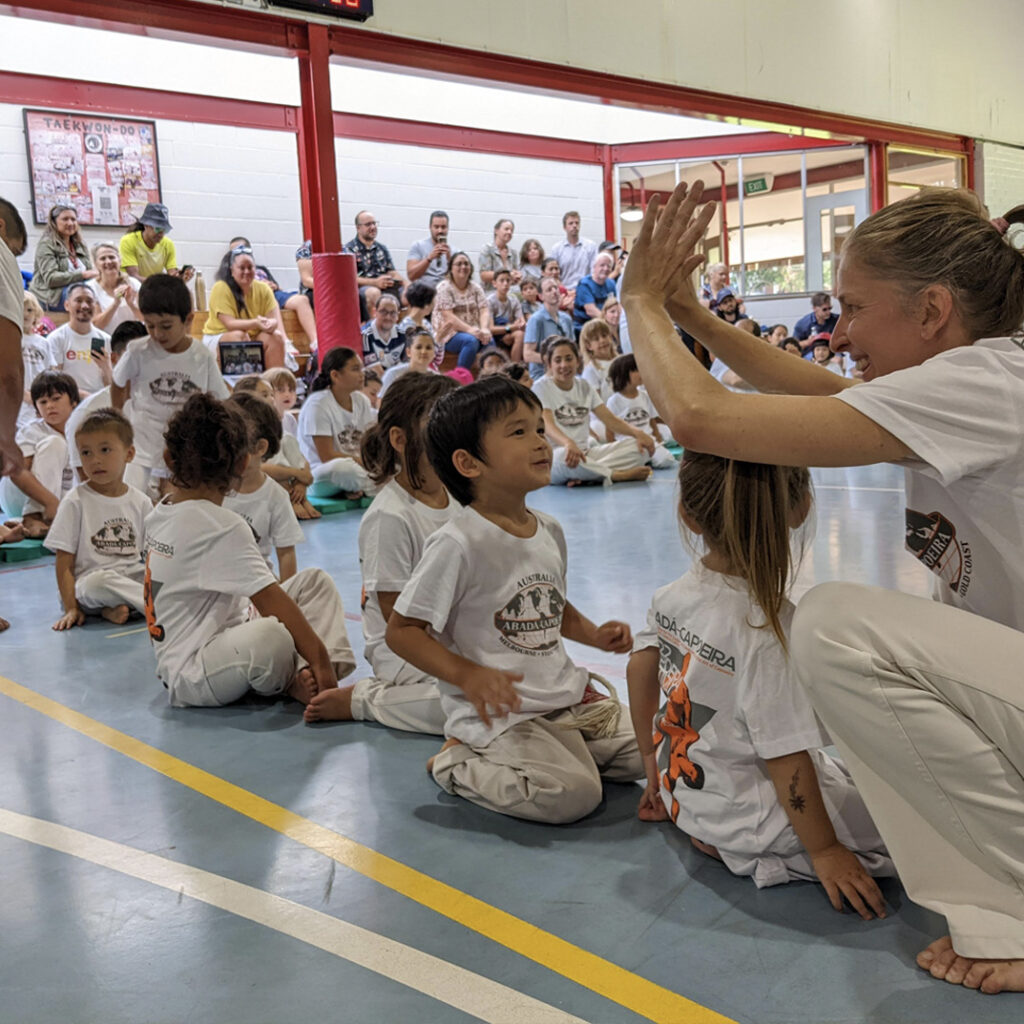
(754, 186)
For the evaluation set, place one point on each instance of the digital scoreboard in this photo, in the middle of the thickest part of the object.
(356, 10)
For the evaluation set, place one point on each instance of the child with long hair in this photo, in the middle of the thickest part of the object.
(219, 621)
(631, 403)
(597, 346)
(733, 754)
(331, 426)
(568, 403)
(418, 358)
(411, 505)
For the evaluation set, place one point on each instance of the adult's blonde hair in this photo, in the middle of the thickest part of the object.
(943, 236)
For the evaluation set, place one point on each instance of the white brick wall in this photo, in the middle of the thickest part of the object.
(1001, 181)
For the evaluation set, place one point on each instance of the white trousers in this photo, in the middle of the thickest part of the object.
(399, 696)
(107, 588)
(48, 465)
(543, 769)
(602, 461)
(260, 654)
(329, 478)
(926, 703)
(663, 458)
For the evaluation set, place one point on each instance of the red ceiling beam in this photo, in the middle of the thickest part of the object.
(717, 145)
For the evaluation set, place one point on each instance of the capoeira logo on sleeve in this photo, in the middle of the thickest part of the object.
(932, 538)
(531, 623)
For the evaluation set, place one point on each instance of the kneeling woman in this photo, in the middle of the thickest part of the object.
(244, 309)
(568, 402)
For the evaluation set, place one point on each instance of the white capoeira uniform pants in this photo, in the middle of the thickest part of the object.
(602, 460)
(48, 466)
(399, 696)
(330, 478)
(926, 704)
(260, 654)
(107, 588)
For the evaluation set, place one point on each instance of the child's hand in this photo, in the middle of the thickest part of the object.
(323, 673)
(644, 442)
(573, 455)
(75, 617)
(652, 807)
(843, 875)
(614, 637)
(492, 690)
(297, 493)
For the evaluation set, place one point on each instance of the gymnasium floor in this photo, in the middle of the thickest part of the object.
(234, 865)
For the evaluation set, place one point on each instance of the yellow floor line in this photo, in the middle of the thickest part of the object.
(587, 969)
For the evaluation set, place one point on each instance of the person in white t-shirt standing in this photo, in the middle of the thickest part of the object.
(79, 349)
(923, 699)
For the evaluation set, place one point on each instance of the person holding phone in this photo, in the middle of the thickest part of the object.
(79, 348)
(428, 258)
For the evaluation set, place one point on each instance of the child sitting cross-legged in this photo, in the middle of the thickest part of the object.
(736, 758)
(289, 466)
(485, 613)
(633, 405)
(257, 499)
(411, 505)
(219, 621)
(99, 529)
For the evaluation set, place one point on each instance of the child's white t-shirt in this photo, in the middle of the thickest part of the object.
(161, 384)
(289, 454)
(100, 531)
(962, 413)
(35, 357)
(595, 373)
(730, 701)
(72, 353)
(31, 435)
(571, 408)
(497, 600)
(392, 535)
(323, 416)
(637, 412)
(268, 511)
(202, 566)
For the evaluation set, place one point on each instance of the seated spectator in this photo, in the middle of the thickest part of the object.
(792, 346)
(371, 388)
(244, 309)
(547, 321)
(727, 306)
(462, 318)
(566, 296)
(597, 348)
(35, 356)
(116, 293)
(382, 344)
(717, 279)
(304, 265)
(519, 372)
(618, 255)
(145, 248)
(507, 322)
(61, 258)
(777, 334)
(575, 255)
(821, 353)
(428, 258)
(299, 304)
(821, 320)
(419, 297)
(499, 255)
(592, 291)
(79, 349)
(418, 355)
(531, 260)
(611, 314)
(492, 360)
(750, 326)
(375, 269)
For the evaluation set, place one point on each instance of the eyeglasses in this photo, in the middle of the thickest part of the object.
(241, 250)
(368, 224)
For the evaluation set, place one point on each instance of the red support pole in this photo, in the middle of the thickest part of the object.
(317, 167)
(877, 160)
(611, 229)
(971, 153)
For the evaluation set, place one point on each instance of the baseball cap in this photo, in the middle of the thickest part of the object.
(725, 293)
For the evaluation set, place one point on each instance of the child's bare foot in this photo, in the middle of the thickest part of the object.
(330, 706)
(118, 615)
(303, 686)
(652, 810)
(991, 976)
(312, 512)
(34, 526)
(640, 473)
(303, 510)
(11, 534)
(707, 848)
(352, 495)
(448, 743)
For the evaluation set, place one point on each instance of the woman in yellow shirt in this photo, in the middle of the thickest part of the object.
(244, 309)
(145, 249)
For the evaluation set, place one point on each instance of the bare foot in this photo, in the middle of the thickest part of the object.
(991, 976)
(311, 511)
(34, 527)
(330, 706)
(300, 511)
(447, 745)
(4, 624)
(653, 811)
(118, 615)
(640, 473)
(303, 687)
(11, 534)
(707, 848)
(352, 495)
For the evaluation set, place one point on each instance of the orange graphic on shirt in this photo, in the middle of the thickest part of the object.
(676, 725)
(156, 631)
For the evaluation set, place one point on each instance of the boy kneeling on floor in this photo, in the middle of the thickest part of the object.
(485, 613)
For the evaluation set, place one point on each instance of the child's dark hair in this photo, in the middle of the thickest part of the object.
(745, 512)
(405, 405)
(164, 294)
(110, 420)
(369, 377)
(53, 382)
(619, 370)
(207, 441)
(549, 344)
(458, 422)
(264, 423)
(337, 359)
(420, 294)
(516, 371)
(125, 332)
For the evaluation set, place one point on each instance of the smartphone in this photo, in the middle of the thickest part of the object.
(98, 345)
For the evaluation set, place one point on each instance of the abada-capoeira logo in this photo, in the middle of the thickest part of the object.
(115, 537)
(571, 415)
(349, 440)
(172, 388)
(531, 623)
(636, 416)
(932, 538)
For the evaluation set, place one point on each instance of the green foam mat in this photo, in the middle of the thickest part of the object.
(329, 506)
(22, 551)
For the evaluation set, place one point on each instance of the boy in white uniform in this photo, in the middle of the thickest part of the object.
(485, 613)
(99, 530)
(163, 370)
(79, 349)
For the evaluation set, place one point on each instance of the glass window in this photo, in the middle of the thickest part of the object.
(773, 224)
(911, 169)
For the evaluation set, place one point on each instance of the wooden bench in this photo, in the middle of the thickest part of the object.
(292, 328)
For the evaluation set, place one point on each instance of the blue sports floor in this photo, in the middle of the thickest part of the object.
(235, 865)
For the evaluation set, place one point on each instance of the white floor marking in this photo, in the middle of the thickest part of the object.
(847, 487)
(471, 993)
(126, 632)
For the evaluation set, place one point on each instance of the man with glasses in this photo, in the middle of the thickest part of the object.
(375, 269)
(821, 320)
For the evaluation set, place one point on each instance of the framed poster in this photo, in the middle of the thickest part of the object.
(105, 167)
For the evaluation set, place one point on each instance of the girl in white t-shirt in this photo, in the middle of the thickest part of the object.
(331, 426)
(419, 354)
(219, 621)
(568, 402)
(410, 506)
(631, 403)
(35, 355)
(736, 759)
(597, 349)
(289, 466)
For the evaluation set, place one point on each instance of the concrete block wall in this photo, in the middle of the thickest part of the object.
(1001, 177)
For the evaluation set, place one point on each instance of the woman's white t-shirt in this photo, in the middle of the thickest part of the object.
(393, 532)
(323, 416)
(571, 408)
(268, 510)
(105, 301)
